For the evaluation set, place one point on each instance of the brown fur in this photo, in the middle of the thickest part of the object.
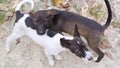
(63, 21)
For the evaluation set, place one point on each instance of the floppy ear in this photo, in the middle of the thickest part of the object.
(65, 43)
(51, 16)
(76, 32)
(52, 12)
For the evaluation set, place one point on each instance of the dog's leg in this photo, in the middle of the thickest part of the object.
(94, 44)
(58, 57)
(100, 53)
(50, 58)
(15, 35)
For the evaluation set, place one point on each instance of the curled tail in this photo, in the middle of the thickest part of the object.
(22, 2)
(109, 15)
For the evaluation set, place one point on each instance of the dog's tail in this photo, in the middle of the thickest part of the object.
(109, 15)
(22, 2)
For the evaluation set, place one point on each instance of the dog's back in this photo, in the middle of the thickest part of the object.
(90, 29)
(85, 25)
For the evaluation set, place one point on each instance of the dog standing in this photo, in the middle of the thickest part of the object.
(52, 42)
(63, 21)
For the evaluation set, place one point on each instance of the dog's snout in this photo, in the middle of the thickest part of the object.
(41, 29)
(88, 56)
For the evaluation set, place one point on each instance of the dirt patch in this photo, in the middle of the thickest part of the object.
(28, 54)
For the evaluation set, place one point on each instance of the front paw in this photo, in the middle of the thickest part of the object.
(95, 58)
(7, 49)
(51, 63)
(58, 57)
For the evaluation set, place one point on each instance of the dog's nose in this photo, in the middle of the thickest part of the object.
(41, 32)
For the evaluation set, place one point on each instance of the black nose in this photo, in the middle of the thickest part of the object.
(90, 58)
(41, 32)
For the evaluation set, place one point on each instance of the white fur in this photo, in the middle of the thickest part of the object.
(87, 56)
(24, 1)
(51, 45)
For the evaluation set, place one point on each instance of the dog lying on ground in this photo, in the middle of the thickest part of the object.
(64, 21)
(52, 42)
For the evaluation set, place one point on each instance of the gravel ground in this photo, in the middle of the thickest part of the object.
(28, 54)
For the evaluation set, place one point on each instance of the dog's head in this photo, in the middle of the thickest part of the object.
(77, 46)
(42, 19)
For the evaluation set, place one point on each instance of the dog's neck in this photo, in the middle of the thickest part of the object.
(51, 34)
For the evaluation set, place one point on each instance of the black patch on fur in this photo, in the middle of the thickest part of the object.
(18, 16)
(51, 33)
(29, 23)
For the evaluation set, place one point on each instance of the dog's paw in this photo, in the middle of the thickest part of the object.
(51, 63)
(58, 57)
(7, 49)
(95, 58)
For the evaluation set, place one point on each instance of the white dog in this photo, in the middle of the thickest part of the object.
(52, 42)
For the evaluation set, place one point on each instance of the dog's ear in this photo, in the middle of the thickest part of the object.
(76, 32)
(52, 12)
(51, 15)
(77, 35)
(64, 42)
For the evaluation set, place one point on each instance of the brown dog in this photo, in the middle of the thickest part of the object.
(63, 21)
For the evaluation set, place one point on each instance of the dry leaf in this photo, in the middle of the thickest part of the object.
(109, 55)
(4, 7)
(105, 43)
(84, 11)
(105, 46)
(66, 5)
(14, 4)
(57, 2)
(9, 16)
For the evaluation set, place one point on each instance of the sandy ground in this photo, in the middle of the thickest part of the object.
(28, 54)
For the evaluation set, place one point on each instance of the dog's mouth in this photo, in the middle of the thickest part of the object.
(87, 56)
